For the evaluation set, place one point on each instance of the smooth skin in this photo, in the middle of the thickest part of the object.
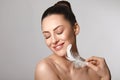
(58, 35)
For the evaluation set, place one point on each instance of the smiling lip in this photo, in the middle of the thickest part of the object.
(58, 47)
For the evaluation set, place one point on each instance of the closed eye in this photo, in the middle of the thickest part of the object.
(59, 30)
(47, 35)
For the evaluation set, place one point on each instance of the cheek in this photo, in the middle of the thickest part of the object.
(47, 42)
(67, 36)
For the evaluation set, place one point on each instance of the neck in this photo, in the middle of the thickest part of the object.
(62, 62)
(75, 50)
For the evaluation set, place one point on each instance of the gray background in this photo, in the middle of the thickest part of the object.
(22, 44)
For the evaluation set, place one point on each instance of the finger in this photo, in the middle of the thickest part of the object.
(95, 68)
(94, 58)
(94, 62)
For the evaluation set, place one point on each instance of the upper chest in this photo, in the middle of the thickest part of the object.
(77, 74)
(74, 74)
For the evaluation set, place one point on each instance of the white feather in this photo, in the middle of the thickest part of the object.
(78, 62)
(69, 53)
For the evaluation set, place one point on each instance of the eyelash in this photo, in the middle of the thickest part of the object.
(59, 32)
(47, 37)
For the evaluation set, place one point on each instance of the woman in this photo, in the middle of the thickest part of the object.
(60, 29)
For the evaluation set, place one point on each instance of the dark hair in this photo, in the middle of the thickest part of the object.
(61, 7)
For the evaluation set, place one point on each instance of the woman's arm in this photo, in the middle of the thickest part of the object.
(45, 72)
(99, 65)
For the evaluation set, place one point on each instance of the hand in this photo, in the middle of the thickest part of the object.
(99, 65)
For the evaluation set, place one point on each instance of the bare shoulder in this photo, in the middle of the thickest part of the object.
(45, 70)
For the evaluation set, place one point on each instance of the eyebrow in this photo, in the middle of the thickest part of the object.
(45, 32)
(53, 29)
(57, 27)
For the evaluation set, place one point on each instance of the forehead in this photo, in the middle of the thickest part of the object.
(52, 21)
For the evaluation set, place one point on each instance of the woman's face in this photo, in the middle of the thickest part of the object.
(58, 33)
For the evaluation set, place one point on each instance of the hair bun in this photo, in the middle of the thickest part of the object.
(63, 3)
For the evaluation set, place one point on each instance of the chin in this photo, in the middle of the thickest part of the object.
(61, 53)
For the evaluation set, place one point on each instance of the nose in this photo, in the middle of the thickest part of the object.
(54, 39)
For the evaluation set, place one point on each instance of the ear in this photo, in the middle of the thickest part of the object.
(76, 29)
